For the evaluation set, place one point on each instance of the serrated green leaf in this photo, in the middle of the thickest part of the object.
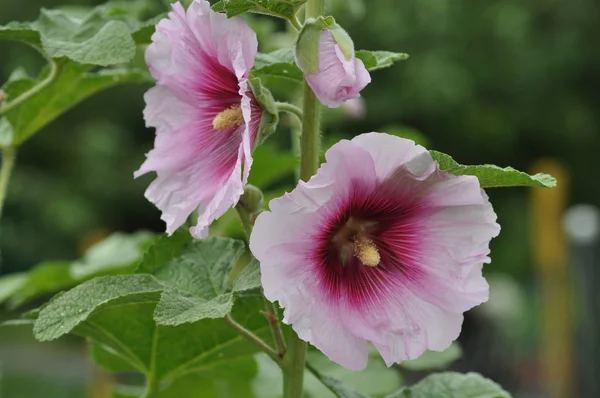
(117, 313)
(21, 31)
(285, 9)
(453, 385)
(71, 84)
(491, 176)
(280, 63)
(198, 281)
(93, 40)
(375, 60)
(163, 250)
(434, 359)
(202, 268)
(70, 309)
(248, 278)
(176, 308)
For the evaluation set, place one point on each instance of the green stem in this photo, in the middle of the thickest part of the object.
(152, 387)
(8, 161)
(295, 23)
(254, 339)
(315, 8)
(293, 373)
(271, 314)
(54, 72)
(295, 359)
(310, 140)
(289, 108)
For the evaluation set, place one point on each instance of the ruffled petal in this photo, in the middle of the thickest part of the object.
(201, 60)
(391, 153)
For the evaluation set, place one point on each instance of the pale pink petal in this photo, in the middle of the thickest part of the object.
(392, 152)
(338, 79)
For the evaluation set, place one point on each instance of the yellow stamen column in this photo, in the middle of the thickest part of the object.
(231, 117)
(366, 251)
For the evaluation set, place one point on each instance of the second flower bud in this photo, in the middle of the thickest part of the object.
(325, 53)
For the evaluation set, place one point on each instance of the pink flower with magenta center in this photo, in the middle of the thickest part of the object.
(380, 246)
(205, 115)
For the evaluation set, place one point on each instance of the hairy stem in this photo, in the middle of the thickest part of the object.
(310, 140)
(8, 161)
(295, 358)
(289, 108)
(254, 339)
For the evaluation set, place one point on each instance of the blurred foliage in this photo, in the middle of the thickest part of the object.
(501, 82)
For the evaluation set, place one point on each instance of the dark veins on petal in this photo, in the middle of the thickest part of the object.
(390, 215)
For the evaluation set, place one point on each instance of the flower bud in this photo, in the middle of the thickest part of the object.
(325, 53)
(252, 200)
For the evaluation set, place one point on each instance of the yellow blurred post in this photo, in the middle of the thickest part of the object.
(551, 262)
(102, 384)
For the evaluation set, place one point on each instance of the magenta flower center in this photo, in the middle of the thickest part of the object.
(371, 239)
(352, 239)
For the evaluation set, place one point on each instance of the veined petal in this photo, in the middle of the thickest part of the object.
(381, 246)
(201, 60)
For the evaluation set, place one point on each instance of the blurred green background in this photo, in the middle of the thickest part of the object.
(500, 81)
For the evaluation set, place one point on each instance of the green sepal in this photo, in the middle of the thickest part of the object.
(252, 199)
(307, 44)
(307, 48)
(270, 115)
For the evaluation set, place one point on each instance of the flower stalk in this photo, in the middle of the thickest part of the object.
(293, 374)
(271, 315)
(289, 108)
(254, 339)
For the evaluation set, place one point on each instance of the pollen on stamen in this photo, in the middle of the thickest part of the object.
(366, 251)
(230, 117)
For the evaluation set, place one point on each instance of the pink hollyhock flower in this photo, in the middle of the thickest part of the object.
(205, 115)
(339, 78)
(380, 246)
